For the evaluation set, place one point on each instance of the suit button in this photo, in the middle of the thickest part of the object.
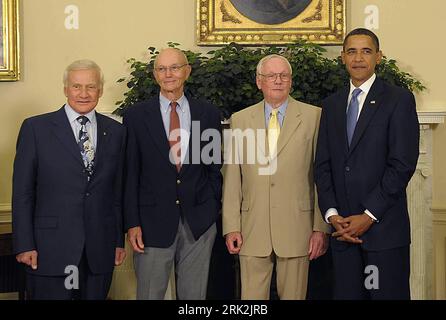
(178, 181)
(273, 184)
(347, 169)
(87, 194)
(177, 202)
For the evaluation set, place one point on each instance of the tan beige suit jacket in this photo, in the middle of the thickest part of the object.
(274, 211)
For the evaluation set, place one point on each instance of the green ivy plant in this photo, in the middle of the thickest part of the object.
(226, 76)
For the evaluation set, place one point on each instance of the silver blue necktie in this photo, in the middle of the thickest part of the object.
(352, 114)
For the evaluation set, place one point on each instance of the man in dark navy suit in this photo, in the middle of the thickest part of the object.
(367, 152)
(173, 184)
(66, 209)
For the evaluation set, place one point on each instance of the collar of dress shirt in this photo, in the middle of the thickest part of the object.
(73, 115)
(269, 108)
(365, 87)
(165, 103)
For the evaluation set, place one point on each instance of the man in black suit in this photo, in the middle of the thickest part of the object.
(66, 206)
(172, 193)
(366, 154)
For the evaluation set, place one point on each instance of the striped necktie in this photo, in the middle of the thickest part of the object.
(174, 135)
(352, 114)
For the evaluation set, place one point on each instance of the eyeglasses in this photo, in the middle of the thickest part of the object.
(173, 68)
(271, 77)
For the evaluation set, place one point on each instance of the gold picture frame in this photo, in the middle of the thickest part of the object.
(9, 40)
(220, 22)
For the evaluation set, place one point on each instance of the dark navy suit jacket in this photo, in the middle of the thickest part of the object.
(374, 171)
(156, 195)
(55, 209)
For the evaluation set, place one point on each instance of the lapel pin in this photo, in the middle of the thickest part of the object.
(372, 102)
(105, 133)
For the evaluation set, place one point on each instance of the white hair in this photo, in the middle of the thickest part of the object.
(269, 57)
(83, 64)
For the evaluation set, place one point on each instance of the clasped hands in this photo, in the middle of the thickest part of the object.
(351, 228)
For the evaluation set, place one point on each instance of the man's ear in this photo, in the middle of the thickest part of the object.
(343, 56)
(258, 82)
(188, 70)
(379, 57)
(65, 91)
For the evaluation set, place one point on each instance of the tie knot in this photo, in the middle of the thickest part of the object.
(173, 105)
(82, 120)
(274, 112)
(356, 93)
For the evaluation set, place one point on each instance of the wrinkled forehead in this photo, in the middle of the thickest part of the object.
(169, 57)
(84, 76)
(275, 65)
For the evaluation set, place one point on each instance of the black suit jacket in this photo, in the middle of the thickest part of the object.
(156, 195)
(374, 171)
(55, 209)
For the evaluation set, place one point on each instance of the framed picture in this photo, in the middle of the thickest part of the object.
(257, 22)
(9, 40)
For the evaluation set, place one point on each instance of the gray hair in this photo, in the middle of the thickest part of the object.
(269, 57)
(83, 64)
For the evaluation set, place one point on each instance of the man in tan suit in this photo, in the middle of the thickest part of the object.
(269, 208)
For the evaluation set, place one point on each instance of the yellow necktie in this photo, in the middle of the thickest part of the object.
(273, 132)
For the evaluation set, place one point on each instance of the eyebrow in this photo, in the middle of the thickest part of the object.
(365, 48)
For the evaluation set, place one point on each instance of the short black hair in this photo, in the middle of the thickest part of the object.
(364, 32)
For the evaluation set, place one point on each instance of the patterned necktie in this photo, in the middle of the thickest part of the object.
(352, 114)
(273, 132)
(86, 146)
(174, 135)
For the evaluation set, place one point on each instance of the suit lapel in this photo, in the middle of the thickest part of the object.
(102, 137)
(341, 118)
(64, 133)
(155, 126)
(195, 115)
(258, 122)
(371, 105)
(290, 123)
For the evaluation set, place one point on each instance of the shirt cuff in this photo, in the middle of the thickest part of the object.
(330, 212)
(367, 212)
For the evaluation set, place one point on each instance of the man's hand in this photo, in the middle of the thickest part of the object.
(318, 244)
(134, 236)
(29, 258)
(234, 242)
(341, 224)
(119, 256)
(357, 225)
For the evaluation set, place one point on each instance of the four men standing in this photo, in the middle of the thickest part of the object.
(69, 184)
